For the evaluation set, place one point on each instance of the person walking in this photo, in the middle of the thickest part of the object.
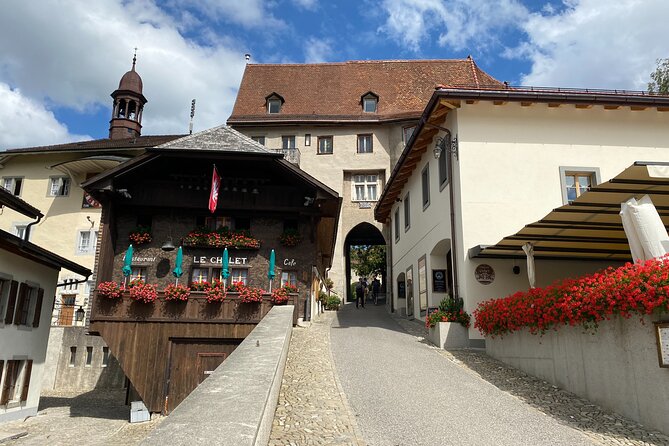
(360, 289)
(376, 284)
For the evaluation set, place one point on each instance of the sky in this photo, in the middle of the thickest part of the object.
(61, 59)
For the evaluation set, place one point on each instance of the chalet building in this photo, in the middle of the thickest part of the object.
(345, 124)
(485, 162)
(158, 201)
(28, 281)
(49, 177)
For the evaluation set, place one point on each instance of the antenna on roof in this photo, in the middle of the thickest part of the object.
(192, 113)
(247, 56)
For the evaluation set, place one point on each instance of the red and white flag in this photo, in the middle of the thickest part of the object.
(215, 186)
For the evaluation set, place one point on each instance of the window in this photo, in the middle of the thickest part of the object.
(397, 225)
(422, 284)
(5, 285)
(28, 305)
(13, 184)
(407, 213)
(364, 143)
(443, 167)
(407, 132)
(89, 356)
(425, 181)
(59, 186)
(73, 356)
(214, 223)
(577, 180)
(369, 102)
(200, 275)
(105, 356)
(138, 273)
(365, 187)
(17, 382)
(289, 278)
(259, 139)
(288, 142)
(86, 242)
(273, 105)
(324, 145)
(239, 275)
(20, 230)
(8, 301)
(145, 221)
(307, 139)
(290, 225)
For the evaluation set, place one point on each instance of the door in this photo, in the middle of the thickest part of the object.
(409, 291)
(191, 361)
(66, 314)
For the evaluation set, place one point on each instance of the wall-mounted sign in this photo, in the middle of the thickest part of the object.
(289, 262)
(662, 337)
(231, 260)
(484, 274)
(439, 281)
(143, 259)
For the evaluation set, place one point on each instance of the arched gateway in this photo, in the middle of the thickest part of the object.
(363, 236)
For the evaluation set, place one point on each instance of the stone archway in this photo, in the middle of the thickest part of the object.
(363, 234)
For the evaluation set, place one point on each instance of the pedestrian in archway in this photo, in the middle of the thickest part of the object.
(360, 289)
(376, 284)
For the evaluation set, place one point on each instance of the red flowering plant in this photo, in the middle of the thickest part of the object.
(249, 294)
(633, 289)
(215, 292)
(290, 237)
(110, 290)
(176, 292)
(281, 295)
(140, 236)
(450, 310)
(143, 292)
(200, 286)
(221, 238)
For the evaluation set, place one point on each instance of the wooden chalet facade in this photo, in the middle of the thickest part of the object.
(167, 348)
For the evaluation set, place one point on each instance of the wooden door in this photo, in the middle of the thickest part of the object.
(191, 361)
(66, 314)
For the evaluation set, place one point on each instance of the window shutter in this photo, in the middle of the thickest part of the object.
(11, 304)
(38, 307)
(26, 380)
(22, 295)
(4, 396)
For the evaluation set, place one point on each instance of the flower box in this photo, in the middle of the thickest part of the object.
(448, 335)
(204, 238)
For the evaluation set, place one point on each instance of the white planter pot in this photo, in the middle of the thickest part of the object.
(448, 335)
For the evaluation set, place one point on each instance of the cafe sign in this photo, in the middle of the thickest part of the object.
(484, 274)
(231, 260)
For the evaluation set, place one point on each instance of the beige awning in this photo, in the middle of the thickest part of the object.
(590, 227)
(90, 164)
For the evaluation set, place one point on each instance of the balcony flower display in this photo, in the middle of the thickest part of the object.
(214, 291)
(176, 293)
(140, 236)
(220, 238)
(249, 294)
(290, 237)
(281, 295)
(632, 289)
(109, 290)
(142, 292)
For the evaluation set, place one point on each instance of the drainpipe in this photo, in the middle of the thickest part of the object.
(452, 151)
(26, 236)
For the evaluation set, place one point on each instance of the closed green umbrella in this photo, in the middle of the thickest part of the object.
(177, 272)
(127, 264)
(270, 272)
(225, 269)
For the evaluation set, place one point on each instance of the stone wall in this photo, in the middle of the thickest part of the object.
(616, 367)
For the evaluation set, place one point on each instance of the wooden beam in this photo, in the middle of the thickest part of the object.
(471, 101)
(438, 113)
(499, 102)
(554, 104)
(583, 106)
(662, 109)
(449, 104)
(637, 107)
(611, 107)
(526, 104)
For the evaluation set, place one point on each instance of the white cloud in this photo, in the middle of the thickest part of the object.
(307, 4)
(77, 59)
(25, 123)
(458, 24)
(317, 50)
(247, 13)
(596, 44)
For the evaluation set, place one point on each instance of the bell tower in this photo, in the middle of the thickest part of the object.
(126, 120)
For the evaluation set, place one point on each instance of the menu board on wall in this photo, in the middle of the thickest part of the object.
(662, 335)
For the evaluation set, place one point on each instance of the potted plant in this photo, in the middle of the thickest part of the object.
(215, 292)
(176, 293)
(448, 325)
(332, 302)
(290, 237)
(109, 290)
(140, 236)
(280, 295)
(143, 292)
(221, 238)
(250, 294)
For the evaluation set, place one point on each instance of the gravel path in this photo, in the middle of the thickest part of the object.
(403, 392)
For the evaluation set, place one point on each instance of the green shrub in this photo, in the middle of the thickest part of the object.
(332, 302)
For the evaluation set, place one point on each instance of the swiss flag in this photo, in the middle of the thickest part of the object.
(215, 186)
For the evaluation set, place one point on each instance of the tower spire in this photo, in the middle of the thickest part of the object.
(134, 59)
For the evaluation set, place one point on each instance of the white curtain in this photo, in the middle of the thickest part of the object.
(644, 229)
(529, 252)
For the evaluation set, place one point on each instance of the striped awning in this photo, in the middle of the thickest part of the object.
(590, 227)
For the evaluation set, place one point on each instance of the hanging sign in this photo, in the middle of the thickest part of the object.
(289, 262)
(484, 274)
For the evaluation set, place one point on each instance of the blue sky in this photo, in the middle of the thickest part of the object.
(60, 59)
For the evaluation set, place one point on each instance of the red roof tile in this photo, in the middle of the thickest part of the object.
(332, 91)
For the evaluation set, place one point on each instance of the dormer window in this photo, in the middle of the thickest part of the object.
(274, 103)
(369, 102)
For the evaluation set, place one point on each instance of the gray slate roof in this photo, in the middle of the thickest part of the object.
(220, 139)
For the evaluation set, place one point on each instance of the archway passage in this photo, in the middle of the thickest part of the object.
(363, 238)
